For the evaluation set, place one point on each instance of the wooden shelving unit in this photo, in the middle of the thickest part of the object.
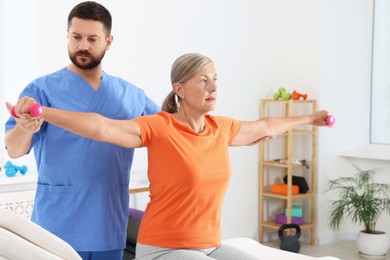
(300, 141)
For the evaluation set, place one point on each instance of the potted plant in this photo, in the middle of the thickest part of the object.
(363, 201)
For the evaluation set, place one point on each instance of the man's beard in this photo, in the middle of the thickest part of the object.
(93, 63)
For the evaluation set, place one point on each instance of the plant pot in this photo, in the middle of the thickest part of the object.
(373, 245)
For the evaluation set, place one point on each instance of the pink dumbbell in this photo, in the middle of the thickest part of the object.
(330, 120)
(35, 110)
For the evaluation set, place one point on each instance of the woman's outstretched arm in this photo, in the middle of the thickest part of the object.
(253, 132)
(124, 133)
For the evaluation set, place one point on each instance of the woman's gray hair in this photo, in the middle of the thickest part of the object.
(183, 69)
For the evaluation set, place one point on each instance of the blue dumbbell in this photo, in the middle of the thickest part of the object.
(11, 169)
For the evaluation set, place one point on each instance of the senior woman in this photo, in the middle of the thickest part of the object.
(188, 159)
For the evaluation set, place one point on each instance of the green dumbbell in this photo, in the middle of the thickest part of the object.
(282, 93)
(286, 96)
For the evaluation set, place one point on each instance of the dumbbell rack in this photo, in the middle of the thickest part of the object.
(299, 142)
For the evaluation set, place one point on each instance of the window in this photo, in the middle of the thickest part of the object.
(380, 74)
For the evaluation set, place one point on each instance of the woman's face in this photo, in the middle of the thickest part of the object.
(200, 92)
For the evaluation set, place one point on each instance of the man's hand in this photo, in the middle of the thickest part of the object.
(24, 120)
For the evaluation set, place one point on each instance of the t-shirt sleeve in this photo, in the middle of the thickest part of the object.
(231, 126)
(150, 126)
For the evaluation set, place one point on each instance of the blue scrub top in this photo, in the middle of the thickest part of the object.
(82, 191)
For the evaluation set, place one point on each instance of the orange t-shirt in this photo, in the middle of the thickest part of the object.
(189, 174)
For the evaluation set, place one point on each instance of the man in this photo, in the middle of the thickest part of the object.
(82, 191)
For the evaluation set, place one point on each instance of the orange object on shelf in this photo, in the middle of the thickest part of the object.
(281, 188)
(296, 95)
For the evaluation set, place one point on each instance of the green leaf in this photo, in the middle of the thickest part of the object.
(360, 198)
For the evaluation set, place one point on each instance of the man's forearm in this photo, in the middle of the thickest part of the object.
(18, 142)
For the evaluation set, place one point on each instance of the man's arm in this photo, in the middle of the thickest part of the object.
(18, 140)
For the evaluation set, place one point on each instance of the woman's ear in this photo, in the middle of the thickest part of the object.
(178, 89)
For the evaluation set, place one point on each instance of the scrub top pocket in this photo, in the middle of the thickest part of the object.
(53, 201)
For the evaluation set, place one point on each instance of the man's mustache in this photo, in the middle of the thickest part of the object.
(85, 53)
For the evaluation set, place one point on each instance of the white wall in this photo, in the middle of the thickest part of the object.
(345, 90)
(19, 54)
(315, 46)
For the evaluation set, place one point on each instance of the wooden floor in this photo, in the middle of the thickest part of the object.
(345, 250)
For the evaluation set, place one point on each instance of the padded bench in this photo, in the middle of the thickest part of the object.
(246, 244)
(23, 239)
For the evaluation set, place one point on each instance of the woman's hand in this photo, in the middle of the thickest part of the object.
(24, 121)
(320, 118)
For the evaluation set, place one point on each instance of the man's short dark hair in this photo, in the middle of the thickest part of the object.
(90, 10)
